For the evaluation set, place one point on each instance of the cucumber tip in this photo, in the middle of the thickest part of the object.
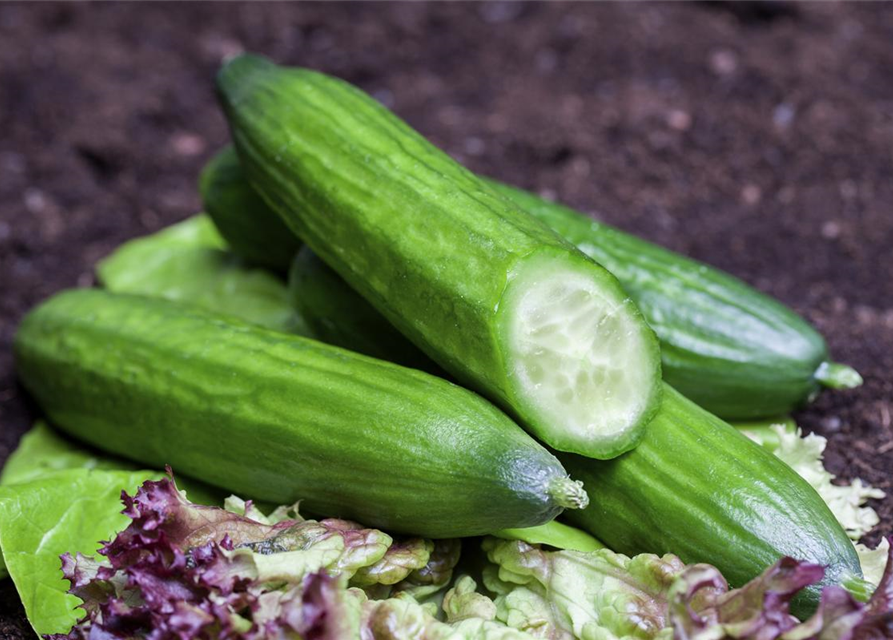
(568, 493)
(837, 376)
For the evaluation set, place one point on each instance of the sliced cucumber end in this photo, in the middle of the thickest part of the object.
(837, 376)
(567, 493)
(584, 367)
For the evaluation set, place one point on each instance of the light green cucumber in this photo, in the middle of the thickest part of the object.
(282, 418)
(488, 292)
(232, 205)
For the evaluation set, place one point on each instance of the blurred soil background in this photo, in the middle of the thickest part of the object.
(755, 137)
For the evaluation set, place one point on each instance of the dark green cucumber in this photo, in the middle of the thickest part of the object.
(697, 488)
(735, 351)
(283, 418)
(336, 314)
(488, 292)
(232, 204)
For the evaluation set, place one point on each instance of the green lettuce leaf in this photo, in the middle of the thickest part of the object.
(43, 452)
(569, 594)
(67, 511)
(189, 262)
(192, 571)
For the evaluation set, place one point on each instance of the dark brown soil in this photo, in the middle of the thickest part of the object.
(757, 139)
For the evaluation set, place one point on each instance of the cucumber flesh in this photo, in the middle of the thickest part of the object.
(566, 345)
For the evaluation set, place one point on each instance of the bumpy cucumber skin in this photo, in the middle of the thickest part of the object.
(234, 207)
(336, 314)
(734, 351)
(697, 488)
(282, 418)
(417, 235)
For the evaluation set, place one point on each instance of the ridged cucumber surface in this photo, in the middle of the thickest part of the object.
(733, 350)
(232, 204)
(697, 488)
(487, 291)
(283, 418)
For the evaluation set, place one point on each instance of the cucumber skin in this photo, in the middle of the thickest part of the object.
(697, 488)
(733, 350)
(239, 214)
(421, 238)
(281, 418)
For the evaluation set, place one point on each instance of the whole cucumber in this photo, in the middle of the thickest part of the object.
(488, 292)
(697, 488)
(232, 204)
(283, 418)
(737, 352)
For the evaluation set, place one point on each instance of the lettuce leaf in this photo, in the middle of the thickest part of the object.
(189, 262)
(567, 595)
(190, 571)
(67, 511)
(759, 610)
(580, 595)
(43, 452)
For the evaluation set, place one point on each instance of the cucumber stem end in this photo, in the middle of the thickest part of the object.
(569, 494)
(860, 588)
(837, 376)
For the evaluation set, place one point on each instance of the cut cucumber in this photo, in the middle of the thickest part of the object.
(567, 344)
(460, 270)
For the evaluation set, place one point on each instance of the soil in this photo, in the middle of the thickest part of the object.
(755, 137)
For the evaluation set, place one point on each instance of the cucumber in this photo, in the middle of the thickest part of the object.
(486, 291)
(232, 204)
(283, 418)
(336, 314)
(733, 350)
(697, 488)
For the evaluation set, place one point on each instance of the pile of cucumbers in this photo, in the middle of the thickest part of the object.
(470, 357)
